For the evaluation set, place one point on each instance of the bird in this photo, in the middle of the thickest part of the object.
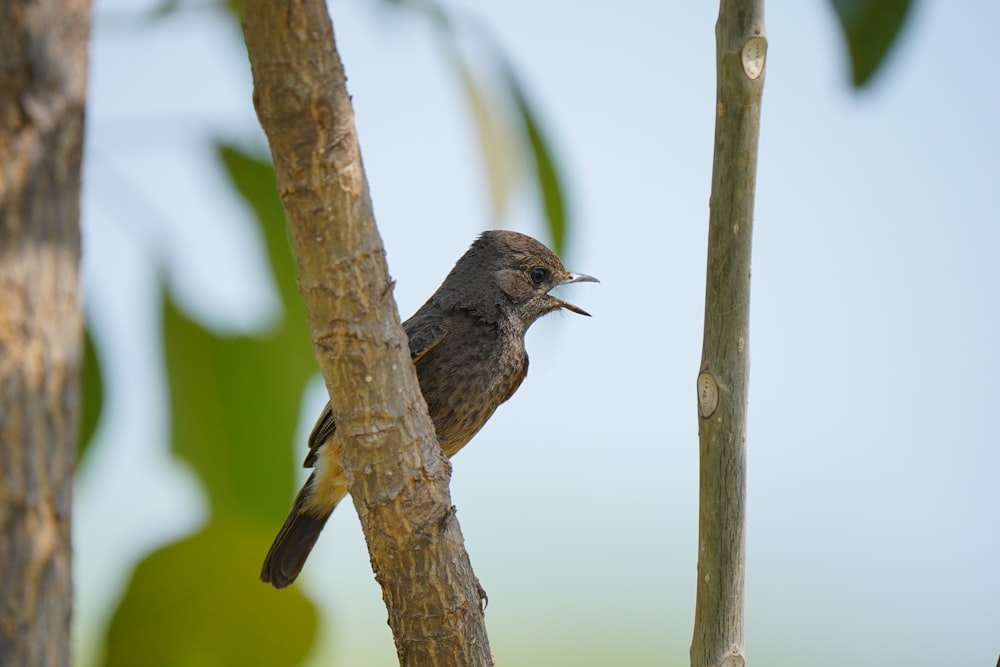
(467, 345)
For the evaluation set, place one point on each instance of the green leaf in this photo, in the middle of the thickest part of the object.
(496, 139)
(235, 400)
(870, 28)
(235, 404)
(92, 394)
(253, 178)
(546, 171)
(198, 603)
(494, 131)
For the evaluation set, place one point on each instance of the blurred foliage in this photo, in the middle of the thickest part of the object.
(235, 408)
(92, 394)
(235, 400)
(546, 171)
(197, 603)
(494, 137)
(508, 129)
(870, 28)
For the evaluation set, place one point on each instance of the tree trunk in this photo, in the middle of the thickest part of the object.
(397, 474)
(43, 56)
(722, 382)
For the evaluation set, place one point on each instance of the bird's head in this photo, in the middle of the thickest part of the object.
(511, 275)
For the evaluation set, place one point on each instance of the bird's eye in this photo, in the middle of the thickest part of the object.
(538, 275)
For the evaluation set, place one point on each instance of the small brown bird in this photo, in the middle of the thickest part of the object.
(467, 343)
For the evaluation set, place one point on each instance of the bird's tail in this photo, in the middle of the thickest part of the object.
(295, 540)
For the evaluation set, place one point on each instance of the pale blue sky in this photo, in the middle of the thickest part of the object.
(873, 456)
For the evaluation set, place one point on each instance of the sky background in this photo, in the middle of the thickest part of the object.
(873, 505)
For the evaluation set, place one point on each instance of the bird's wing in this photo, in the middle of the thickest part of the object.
(424, 333)
(322, 430)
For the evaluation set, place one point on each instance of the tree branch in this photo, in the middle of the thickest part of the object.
(722, 383)
(43, 67)
(397, 474)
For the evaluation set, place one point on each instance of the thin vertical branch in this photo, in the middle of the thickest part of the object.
(722, 382)
(397, 474)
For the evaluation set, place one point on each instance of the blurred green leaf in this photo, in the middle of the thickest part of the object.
(165, 8)
(439, 16)
(198, 603)
(92, 394)
(235, 400)
(870, 28)
(170, 7)
(496, 140)
(253, 177)
(495, 133)
(549, 181)
(235, 8)
(235, 404)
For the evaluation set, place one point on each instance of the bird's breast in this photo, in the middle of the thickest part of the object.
(466, 377)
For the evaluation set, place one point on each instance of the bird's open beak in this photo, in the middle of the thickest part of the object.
(575, 278)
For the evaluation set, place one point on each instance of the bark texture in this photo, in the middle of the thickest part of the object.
(43, 56)
(722, 382)
(397, 475)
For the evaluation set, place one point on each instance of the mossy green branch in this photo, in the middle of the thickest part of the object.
(741, 48)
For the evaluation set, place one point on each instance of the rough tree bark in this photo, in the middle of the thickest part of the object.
(741, 47)
(397, 475)
(43, 56)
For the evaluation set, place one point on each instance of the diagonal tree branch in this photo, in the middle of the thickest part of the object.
(722, 382)
(397, 474)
